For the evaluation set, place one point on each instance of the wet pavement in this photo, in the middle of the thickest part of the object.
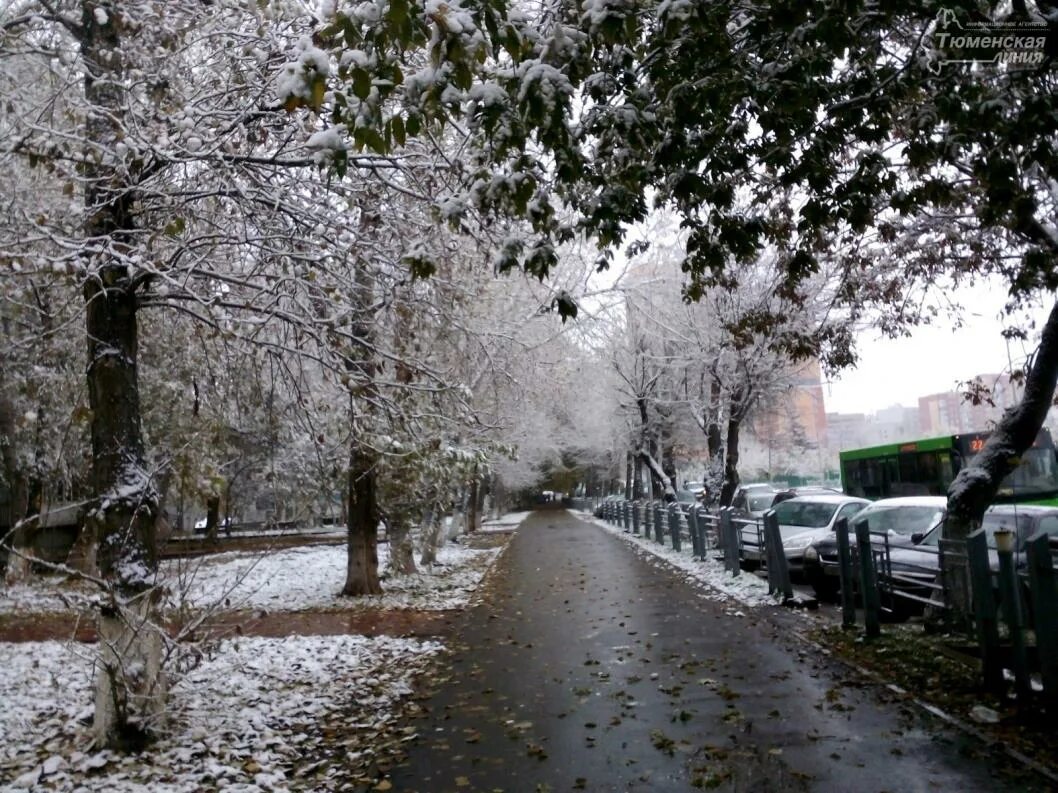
(588, 667)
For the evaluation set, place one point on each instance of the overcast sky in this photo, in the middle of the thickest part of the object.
(933, 359)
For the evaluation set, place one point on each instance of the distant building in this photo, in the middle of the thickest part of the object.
(951, 411)
(792, 434)
(944, 413)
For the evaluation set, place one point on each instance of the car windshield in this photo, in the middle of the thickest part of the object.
(685, 496)
(759, 503)
(906, 520)
(810, 514)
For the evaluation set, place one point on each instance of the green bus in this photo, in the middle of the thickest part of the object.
(926, 467)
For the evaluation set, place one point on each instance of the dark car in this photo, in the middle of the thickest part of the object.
(743, 495)
(915, 568)
(903, 520)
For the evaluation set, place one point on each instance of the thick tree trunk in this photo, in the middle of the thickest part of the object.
(362, 568)
(123, 519)
(668, 457)
(731, 478)
(500, 497)
(131, 685)
(637, 477)
(361, 577)
(14, 532)
(119, 533)
(630, 470)
(20, 561)
(714, 476)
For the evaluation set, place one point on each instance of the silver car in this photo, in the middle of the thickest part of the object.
(802, 521)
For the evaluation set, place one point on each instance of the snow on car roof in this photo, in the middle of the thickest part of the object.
(1028, 509)
(827, 498)
(912, 501)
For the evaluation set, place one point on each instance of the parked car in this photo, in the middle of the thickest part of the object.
(758, 503)
(741, 498)
(905, 520)
(802, 521)
(688, 498)
(915, 567)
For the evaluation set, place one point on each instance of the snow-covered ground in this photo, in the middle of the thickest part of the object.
(255, 714)
(311, 578)
(251, 717)
(505, 522)
(710, 575)
(291, 579)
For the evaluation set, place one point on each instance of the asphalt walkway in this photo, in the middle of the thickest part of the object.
(589, 667)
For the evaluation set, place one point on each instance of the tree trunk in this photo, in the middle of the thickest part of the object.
(637, 477)
(731, 479)
(499, 497)
(212, 518)
(630, 470)
(119, 532)
(401, 548)
(431, 535)
(131, 684)
(20, 563)
(361, 577)
(473, 508)
(362, 568)
(458, 517)
(668, 487)
(122, 521)
(714, 474)
(14, 534)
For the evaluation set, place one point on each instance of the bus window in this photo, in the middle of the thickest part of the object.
(930, 474)
(1036, 476)
(865, 478)
(946, 472)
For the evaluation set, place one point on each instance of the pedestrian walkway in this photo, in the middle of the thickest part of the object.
(588, 667)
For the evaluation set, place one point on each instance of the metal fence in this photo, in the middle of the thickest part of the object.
(734, 540)
(1005, 601)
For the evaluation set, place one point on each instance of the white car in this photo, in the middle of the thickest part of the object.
(804, 520)
(903, 519)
